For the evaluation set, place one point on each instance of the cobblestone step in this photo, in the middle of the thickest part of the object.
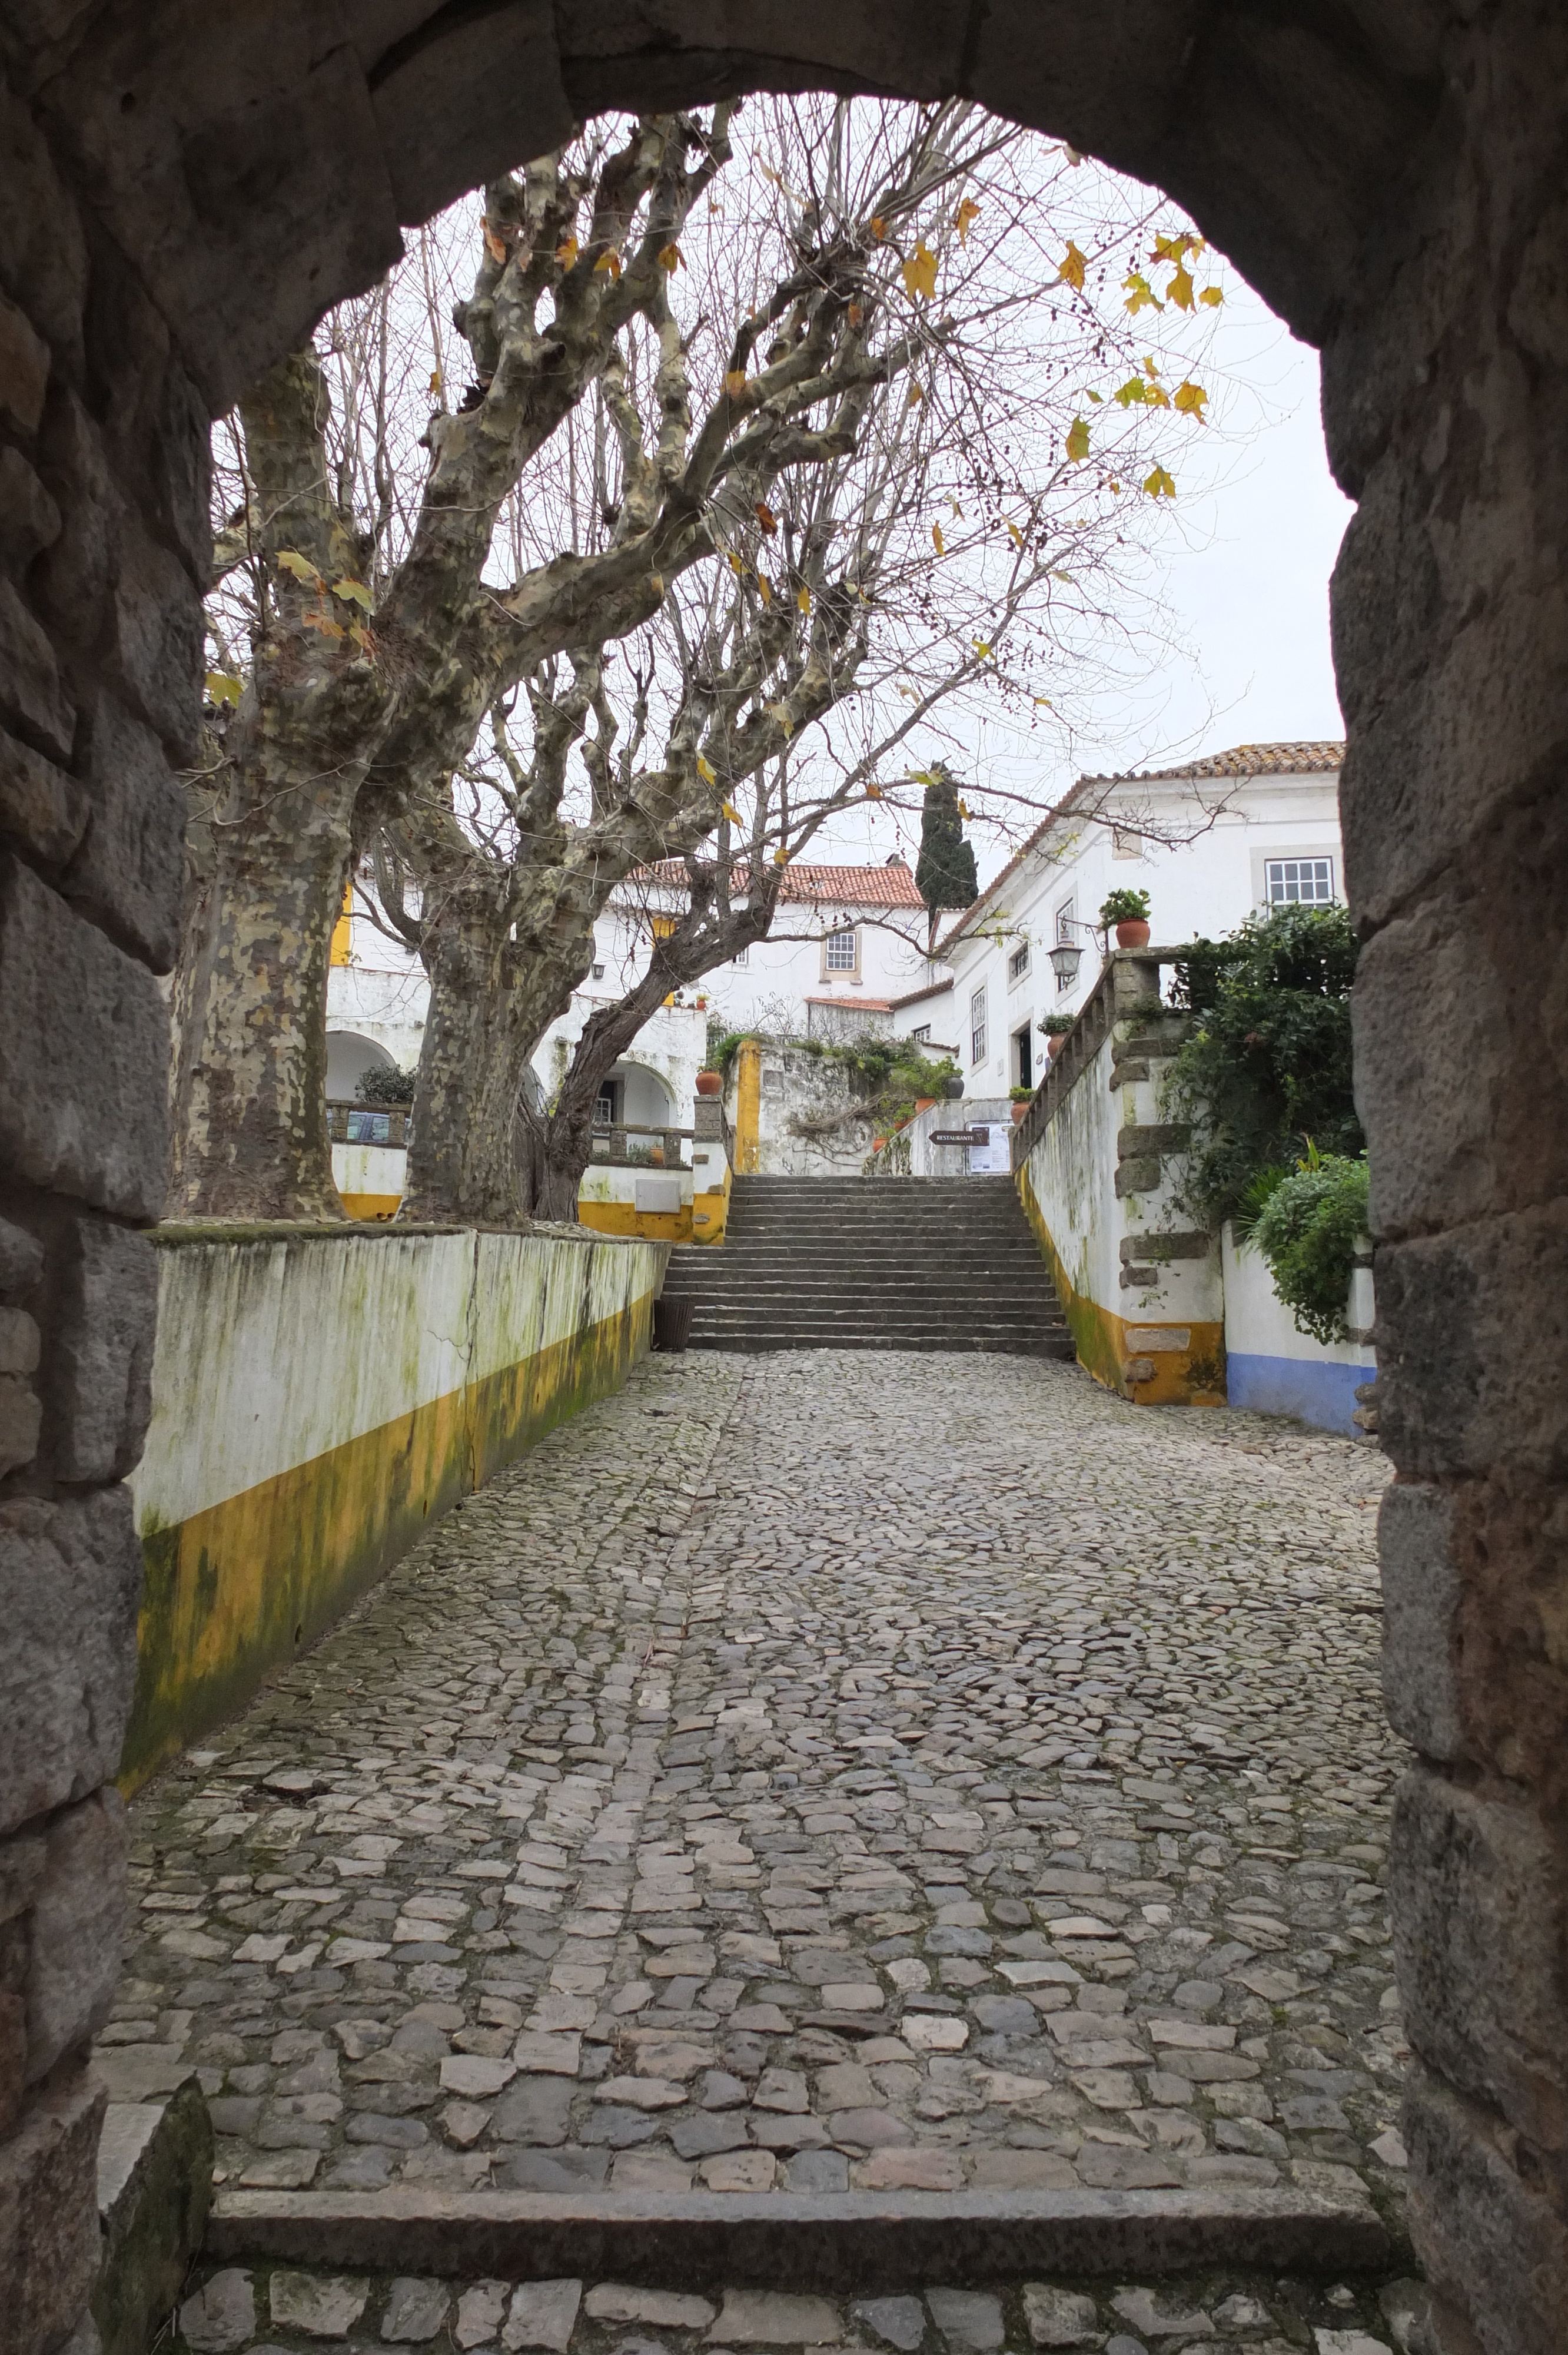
(693, 2302)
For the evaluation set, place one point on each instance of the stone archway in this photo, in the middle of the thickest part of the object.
(189, 189)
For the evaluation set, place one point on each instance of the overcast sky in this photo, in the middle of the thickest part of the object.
(1245, 585)
(1251, 593)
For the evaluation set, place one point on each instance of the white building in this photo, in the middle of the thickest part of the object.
(847, 951)
(1211, 841)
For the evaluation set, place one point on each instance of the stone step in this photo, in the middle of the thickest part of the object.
(856, 2242)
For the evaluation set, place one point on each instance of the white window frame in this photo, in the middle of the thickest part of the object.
(1278, 854)
(1018, 965)
(980, 1028)
(834, 969)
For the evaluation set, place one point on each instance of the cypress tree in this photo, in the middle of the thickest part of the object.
(945, 876)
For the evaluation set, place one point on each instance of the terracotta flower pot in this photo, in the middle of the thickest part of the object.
(1020, 1112)
(656, 1156)
(1132, 932)
(710, 1084)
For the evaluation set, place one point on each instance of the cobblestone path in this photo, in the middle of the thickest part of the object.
(823, 1770)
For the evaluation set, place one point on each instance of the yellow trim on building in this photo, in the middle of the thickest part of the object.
(342, 930)
(625, 1219)
(748, 1107)
(371, 1206)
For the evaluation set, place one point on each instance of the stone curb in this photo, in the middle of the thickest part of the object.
(840, 2242)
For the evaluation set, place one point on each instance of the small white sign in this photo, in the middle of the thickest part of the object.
(994, 1157)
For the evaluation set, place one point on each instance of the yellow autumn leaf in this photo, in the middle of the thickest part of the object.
(963, 809)
(735, 383)
(493, 244)
(981, 647)
(437, 380)
(362, 638)
(1098, 399)
(873, 792)
(1212, 296)
(656, 582)
(1141, 295)
(1159, 484)
(1191, 399)
(670, 257)
(611, 261)
(1180, 289)
(353, 592)
(919, 273)
(730, 812)
(736, 566)
(765, 516)
(804, 598)
(706, 771)
(1072, 268)
(1133, 393)
(222, 688)
(765, 588)
(878, 226)
(968, 212)
(914, 397)
(566, 252)
(325, 624)
(937, 540)
(291, 560)
(1079, 441)
(921, 777)
(780, 859)
(1015, 534)
(854, 315)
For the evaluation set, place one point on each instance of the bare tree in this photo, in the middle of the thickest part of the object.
(939, 529)
(374, 650)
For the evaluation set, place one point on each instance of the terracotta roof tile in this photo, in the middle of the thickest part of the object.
(851, 887)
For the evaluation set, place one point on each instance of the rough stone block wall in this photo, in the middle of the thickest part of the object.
(1446, 410)
(102, 532)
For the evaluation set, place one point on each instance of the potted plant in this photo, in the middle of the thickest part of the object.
(1020, 1098)
(1055, 1028)
(710, 1084)
(1128, 912)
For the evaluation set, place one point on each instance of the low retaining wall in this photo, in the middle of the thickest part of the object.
(1272, 1367)
(319, 1395)
(1096, 1168)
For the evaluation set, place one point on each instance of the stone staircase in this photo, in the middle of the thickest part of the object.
(872, 1264)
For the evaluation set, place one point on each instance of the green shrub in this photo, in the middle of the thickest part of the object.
(1267, 1064)
(1124, 908)
(1307, 1230)
(385, 1085)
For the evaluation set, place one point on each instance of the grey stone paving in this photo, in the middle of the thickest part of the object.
(234, 2308)
(824, 1771)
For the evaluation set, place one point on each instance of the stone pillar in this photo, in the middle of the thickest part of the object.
(102, 536)
(1447, 409)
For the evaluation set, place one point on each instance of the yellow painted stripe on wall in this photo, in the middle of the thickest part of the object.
(748, 1107)
(1191, 1376)
(625, 1219)
(238, 1589)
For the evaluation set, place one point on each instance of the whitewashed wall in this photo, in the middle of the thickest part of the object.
(1271, 1367)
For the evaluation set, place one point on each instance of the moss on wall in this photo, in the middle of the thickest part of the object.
(234, 1591)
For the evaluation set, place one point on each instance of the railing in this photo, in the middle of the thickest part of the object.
(615, 1136)
(358, 1124)
(1129, 983)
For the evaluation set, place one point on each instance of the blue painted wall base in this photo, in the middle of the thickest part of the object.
(1317, 1391)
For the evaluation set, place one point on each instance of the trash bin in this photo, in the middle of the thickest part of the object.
(672, 1324)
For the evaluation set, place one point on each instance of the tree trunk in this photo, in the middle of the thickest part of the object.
(462, 1157)
(249, 1091)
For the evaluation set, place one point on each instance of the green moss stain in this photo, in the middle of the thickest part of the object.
(235, 1591)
